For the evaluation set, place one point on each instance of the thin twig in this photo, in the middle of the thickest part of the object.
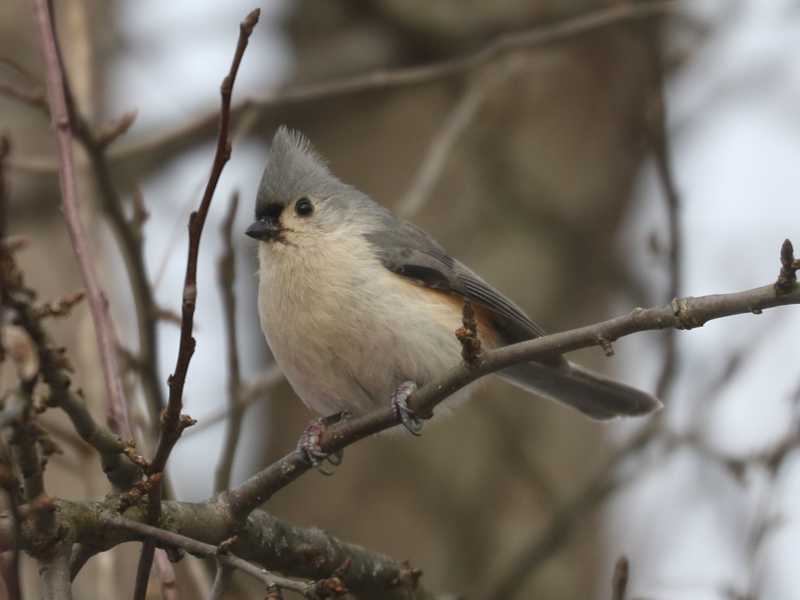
(542, 35)
(11, 567)
(682, 313)
(207, 550)
(605, 482)
(98, 303)
(129, 235)
(166, 573)
(455, 124)
(250, 393)
(173, 421)
(619, 582)
(32, 97)
(659, 146)
(226, 269)
(52, 367)
(114, 453)
(222, 579)
(27, 458)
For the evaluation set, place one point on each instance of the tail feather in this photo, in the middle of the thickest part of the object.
(591, 393)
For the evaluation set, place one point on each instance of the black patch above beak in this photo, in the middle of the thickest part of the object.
(265, 230)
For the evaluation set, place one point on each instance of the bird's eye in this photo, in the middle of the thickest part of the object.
(303, 207)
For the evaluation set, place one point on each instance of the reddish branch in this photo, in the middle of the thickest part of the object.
(98, 303)
(173, 421)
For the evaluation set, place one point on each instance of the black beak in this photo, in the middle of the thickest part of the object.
(265, 230)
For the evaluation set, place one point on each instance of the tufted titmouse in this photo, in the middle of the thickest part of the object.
(360, 307)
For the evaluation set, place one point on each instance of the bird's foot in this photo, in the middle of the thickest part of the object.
(410, 420)
(309, 447)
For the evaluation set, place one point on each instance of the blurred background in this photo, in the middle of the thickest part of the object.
(545, 173)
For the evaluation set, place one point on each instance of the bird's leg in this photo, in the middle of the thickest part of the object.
(407, 416)
(309, 446)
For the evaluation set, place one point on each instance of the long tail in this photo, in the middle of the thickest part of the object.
(591, 393)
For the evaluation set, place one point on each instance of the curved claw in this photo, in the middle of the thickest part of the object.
(407, 416)
(308, 444)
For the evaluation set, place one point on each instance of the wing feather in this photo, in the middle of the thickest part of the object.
(407, 250)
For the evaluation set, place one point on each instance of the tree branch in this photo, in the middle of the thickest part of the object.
(173, 421)
(202, 549)
(566, 519)
(307, 553)
(226, 268)
(619, 582)
(54, 574)
(453, 126)
(681, 313)
(250, 393)
(659, 146)
(98, 303)
(172, 141)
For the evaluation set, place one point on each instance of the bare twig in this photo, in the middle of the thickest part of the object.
(5, 253)
(11, 566)
(166, 573)
(98, 303)
(129, 235)
(226, 276)
(619, 582)
(789, 267)
(551, 33)
(221, 581)
(119, 470)
(250, 393)
(55, 576)
(455, 123)
(682, 313)
(209, 551)
(32, 97)
(173, 421)
(605, 482)
(659, 146)
(52, 366)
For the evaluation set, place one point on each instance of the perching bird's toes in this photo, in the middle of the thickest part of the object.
(308, 444)
(408, 417)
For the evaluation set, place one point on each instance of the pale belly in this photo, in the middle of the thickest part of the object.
(347, 344)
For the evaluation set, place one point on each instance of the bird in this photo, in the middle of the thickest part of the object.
(359, 307)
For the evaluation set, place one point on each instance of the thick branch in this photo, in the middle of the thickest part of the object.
(307, 553)
(54, 573)
(681, 313)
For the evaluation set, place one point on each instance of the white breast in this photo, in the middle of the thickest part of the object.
(345, 330)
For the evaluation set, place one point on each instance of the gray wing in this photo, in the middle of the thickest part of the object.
(408, 251)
